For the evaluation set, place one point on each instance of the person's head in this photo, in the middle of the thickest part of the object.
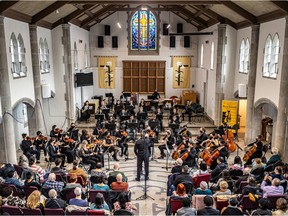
(84, 132)
(54, 127)
(202, 130)
(58, 162)
(116, 166)
(72, 125)
(52, 177)
(99, 179)
(278, 170)
(281, 204)
(258, 162)
(237, 160)
(119, 177)
(38, 133)
(275, 150)
(180, 190)
(223, 185)
(29, 175)
(98, 165)
(99, 200)
(77, 192)
(10, 174)
(246, 171)
(203, 166)
(208, 200)
(186, 202)
(203, 185)
(259, 138)
(32, 161)
(24, 135)
(225, 174)
(52, 194)
(233, 201)
(73, 178)
(264, 203)
(179, 162)
(185, 169)
(86, 102)
(276, 182)
(220, 160)
(33, 199)
(75, 164)
(251, 181)
(123, 198)
(7, 191)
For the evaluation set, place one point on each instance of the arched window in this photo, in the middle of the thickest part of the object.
(46, 57)
(86, 56)
(212, 56)
(201, 55)
(143, 33)
(268, 57)
(242, 56)
(75, 55)
(41, 55)
(274, 56)
(246, 56)
(21, 56)
(14, 55)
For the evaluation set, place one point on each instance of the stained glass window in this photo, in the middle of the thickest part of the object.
(143, 31)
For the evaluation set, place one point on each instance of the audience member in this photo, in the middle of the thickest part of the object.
(73, 182)
(274, 189)
(281, 207)
(217, 170)
(99, 172)
(203, 189)
(78, 171)
(202, 169)
(35, 168)
(100, 185)
(275, 156)
(245, 176)
(9, 199)
(232, 208)
(186, 209)
(119, 184)
(114, 173)
(224, 190)
(123, 202)
(180, 191)
(184, 176)
(99, 203)
(78, 200)
(58, 170)
(257, 163)
(250, 188)
(53, 201)
(208, 209)
(53, 184)
(237, 165)
(34, 201)
(278, 173)
(31, 182)
(178, 166)
(23, 162)
(263, 208)
(12, 178)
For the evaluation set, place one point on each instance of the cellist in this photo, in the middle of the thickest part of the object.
(188, 155)
(259, 149)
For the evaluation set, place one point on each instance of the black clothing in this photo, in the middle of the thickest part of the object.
(261, 212)
(249, 189)
(156, 95)
(142, 116)
(53, 153)
(201, 138)
(141, 149)
(176, 169)
(191, 160)
(215, 174)
(59, 171)
(40, 145)
(33, 183)
(258, 153)
(73, 133)
(55, 203)
(170, 141)
(232, 211)
(207, 210)
(183, 177)
(26, 146)
(85, 113)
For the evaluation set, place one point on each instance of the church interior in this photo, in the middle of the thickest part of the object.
(152, 87)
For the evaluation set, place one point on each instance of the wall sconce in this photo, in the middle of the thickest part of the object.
(178, 76)
(108, 72)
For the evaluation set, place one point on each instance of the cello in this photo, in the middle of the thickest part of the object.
(175, 154)
(229, 138)
(249, 153)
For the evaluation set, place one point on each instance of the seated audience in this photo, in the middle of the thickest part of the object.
(203, 189)
(281, 207)
(100, 185)
(53, 184)
(186, 208)
(263, 208)
(12, 178)
(257, 163)
(218, 169)
(54, 202)
(245, 176)
(237, 165)
(224, 190)
(202, 169)
(123, 202)
(250, 188)
(119, 184)
(31, 182)
(78, 200)
(180, 191)
(208, 209)
(73, 182)
(58, 170)
(34, 201)
(115, 171)
(98, 171)
(178, 166)
(35, 168)
(78, 171)
(278, 173)
(184, 176)
(232, 208)
(23, 162)
(275, 156)
(99, 203)
(9, 199)
(274, 189)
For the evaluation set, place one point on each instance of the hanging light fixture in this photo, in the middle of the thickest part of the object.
(118, 23)
(168, 26)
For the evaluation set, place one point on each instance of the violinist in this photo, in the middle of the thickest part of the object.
(56, 132)
(174, 112)
(169, 141)
(85, 136)
(111, 125)
(123, 142)
(54, 151)
(117, 108)
(27, 148)
(88, 156)
(141, 116)
(259, 149)
(40, 143)
(159, 116)
(132, 130)
(73, 132)
(66, 148)
(154, 125)
(85, 112)
(109, 146)
(188, 110)
(201, 137)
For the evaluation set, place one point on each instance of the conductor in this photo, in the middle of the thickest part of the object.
(141, 149)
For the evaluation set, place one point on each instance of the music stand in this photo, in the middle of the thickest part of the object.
(106, 111)
(129, 107)
(174, 126)
(133, 125)
(99, 117)
(150, 97)
(108, 95)
(141, 116)
(153, 125)
(124, 118)
(126, 94)
(145, 195)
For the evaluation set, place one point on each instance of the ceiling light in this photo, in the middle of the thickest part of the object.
(57, 11)
(118, 23)
(168, 26)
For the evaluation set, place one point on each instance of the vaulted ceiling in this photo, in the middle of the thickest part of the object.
(201, 14)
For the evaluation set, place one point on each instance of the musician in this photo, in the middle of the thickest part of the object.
(133, 130)
(259, 149)
(56, 132)
(85, 112)
(103, 104)
(85, 136)
(73, 132)
(156, 95)
(185, 132)
(175, 121)
(141, 116)
(131, 108)
(123, 97)
(109, 146)
(117, 108)
(105, 109)
(40, 143)
(159, 116)
(173, 112)
(111, 125)
(123, 142)
(191, 154)
(54, 151)
(170, 140)
(67, 147)
(88, 156)
(27, 148)
(142, 104)
(201, 137)
(188, 110)
(154, 124)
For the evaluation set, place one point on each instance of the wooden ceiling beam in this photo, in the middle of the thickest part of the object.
(162, 2)
(271, 16)
(13, 14)
(282, 5)
(205, 8)
(239, 10)
(71, 16)
(5, 5)
(48, 10)
(184, 18)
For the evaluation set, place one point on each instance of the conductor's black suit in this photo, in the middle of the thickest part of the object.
(141, 149)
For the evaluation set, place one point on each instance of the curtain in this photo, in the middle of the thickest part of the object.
(181, 74)
(106, 72)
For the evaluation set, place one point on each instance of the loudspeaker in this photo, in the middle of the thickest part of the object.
(100, 42)
(165, 29)
(186, 41)
(107, 30)
(242, 90)
(179, 28)
(172, 41)
(114, 42)
(46, 91)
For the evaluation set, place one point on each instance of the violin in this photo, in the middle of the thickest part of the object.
(43, 138)
(124, 133)
(68, 140)
(30, 138)
(58, 130)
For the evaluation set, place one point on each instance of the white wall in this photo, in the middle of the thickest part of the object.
(122, 51)
(20, 87)
(265, 87)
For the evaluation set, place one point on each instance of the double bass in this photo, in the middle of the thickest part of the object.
(229, 138)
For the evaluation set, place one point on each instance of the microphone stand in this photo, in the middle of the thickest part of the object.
(145, 195)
